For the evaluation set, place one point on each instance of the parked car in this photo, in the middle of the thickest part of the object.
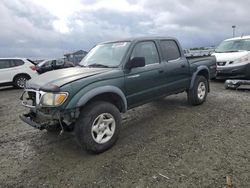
(114, 77)
(52, 64)
(16, 71)
(233, 58)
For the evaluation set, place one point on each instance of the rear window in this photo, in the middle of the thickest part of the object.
(170, 50)
(17, 62)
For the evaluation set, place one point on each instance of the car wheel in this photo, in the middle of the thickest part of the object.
(20, 81)
(197, 95)
(98, 126)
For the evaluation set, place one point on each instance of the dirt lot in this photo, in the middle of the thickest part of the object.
(191, 146)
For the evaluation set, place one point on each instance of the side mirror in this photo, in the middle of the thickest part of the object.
(136, 62)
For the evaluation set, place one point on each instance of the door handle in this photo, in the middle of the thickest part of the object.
(161, 71)
(183, 66)
(134, 76)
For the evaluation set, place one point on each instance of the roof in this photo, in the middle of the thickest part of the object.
(239, 38)
(13, 58)
(141, 38)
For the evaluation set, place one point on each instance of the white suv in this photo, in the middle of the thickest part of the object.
(233, 58)
(16, 71)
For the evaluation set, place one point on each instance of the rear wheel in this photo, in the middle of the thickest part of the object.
(98, 126)
(20, 81)
(197, 95)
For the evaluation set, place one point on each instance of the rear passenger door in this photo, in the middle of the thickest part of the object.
(176, 66)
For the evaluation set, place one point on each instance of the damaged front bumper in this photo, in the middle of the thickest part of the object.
(29, 119)
(43, 117)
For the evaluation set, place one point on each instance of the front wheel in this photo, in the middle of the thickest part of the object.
(197, 95)
(98, 126)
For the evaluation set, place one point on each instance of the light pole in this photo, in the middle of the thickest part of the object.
(234, 26)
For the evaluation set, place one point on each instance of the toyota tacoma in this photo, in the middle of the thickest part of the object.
(114, 77)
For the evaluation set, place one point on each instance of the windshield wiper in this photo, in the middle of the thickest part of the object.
(98, 65)
(232, 51)
(229, 51)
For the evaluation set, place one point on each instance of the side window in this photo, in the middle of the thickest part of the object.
(48, 64)
(11, 63)
(170, 50)
(59, 62)
(147, 50)
(17, 62)
(4, 63)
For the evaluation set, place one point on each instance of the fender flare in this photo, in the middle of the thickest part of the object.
(100, 90)
(199, 69)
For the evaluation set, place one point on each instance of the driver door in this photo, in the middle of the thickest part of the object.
(144, 83)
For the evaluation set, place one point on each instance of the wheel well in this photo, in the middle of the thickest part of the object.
(21, 74)
(204, 73)
(113, 98)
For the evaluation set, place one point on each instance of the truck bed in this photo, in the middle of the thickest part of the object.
(209, 61)
(199, 58)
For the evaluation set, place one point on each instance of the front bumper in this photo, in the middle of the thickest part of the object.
(236, 83)
(29, 119)
(241, 71)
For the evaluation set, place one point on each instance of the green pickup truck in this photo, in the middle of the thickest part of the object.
(114, 77)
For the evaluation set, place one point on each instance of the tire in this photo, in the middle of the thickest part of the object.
(197, 95)
(91, 132)
(19, 81)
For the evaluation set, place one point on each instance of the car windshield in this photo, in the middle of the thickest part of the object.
(44, 62)
(105, 55)
(234, 46)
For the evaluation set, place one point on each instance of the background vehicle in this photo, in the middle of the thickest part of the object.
(233, 58)
(53, 64)
(16, 71)
(114, 77)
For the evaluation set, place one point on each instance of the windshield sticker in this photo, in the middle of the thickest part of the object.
(120, 44)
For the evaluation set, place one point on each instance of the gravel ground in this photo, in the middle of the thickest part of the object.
(166, 143)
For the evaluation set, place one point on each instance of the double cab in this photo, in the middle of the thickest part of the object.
(114, 77)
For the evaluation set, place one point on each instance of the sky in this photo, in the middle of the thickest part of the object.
(50, 28)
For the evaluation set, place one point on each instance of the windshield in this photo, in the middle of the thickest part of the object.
(233, 46)
(47, 62)
(105, 55)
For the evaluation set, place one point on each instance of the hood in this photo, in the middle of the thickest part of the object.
(230, 56)
(62, 76)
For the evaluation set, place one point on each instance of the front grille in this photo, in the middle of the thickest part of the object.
(32, 97)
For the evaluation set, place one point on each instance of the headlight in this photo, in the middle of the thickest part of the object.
(53, 99)
(243, 59)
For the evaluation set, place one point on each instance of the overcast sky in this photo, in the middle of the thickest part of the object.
(50, 28)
